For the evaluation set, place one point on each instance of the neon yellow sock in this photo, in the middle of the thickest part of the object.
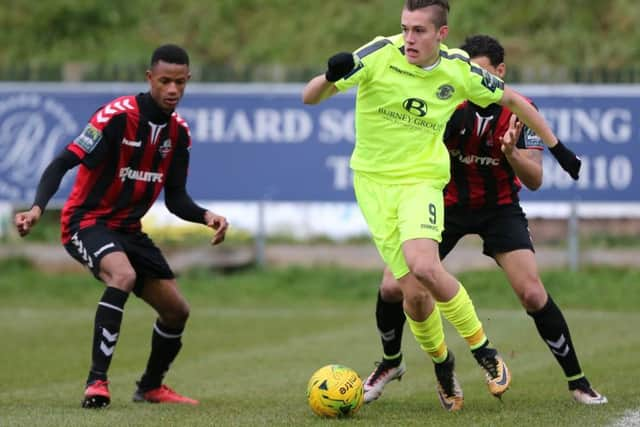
(393, 357)
(460, 312)
(430, 335)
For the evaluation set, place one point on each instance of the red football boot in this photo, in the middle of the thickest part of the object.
(162, 394)
(96, 395)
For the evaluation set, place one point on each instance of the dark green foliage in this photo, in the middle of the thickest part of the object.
(234, 39)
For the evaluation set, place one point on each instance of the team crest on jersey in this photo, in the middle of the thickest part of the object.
(165, 148)
(445, 92)
(89, 138)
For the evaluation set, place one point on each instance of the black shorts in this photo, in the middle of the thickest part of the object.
(502, 228)
(89, 245)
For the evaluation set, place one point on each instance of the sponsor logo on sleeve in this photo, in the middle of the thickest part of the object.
(89, 138)
(490, 81)
(531, 139)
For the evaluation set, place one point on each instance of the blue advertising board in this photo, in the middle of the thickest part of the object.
(255, 142)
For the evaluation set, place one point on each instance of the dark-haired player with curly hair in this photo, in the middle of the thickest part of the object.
(491, 157)
(132, 148)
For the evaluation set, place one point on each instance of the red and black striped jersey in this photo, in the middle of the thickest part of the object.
(481, 176)
(126, 152)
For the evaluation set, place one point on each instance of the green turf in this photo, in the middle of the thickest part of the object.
(254, 339)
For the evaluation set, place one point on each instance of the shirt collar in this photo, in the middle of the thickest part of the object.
(151, 109)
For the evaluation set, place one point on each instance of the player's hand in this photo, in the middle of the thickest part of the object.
(219, 224)
(24, 221)
(567, 159)
(510, 138)
(339, 65)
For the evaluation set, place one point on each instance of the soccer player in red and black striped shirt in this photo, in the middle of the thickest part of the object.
(491, 157)
(131, 149)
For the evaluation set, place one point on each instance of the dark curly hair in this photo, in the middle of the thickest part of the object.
(483, 45)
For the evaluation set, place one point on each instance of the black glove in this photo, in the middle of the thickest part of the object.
(339, 65)
(567, 159)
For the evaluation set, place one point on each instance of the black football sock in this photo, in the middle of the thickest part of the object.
(106, 330)
(390, 320)
(165, 345)
(581, 383)
(554, 330)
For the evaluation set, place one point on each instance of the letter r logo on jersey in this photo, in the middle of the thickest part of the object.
(415, 106)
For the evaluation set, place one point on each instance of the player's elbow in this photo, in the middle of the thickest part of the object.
(534, 186)
(311, 97)
(533, 183)
(307, 100)
(170, 207)
(171, 201)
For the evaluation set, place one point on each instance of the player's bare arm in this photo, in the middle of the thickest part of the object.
(526, 163)
(534, 120)
(321, 87)
(217, 223)
(528, 115)
(317, 90)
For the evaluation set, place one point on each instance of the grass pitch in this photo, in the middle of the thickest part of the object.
(254, 339)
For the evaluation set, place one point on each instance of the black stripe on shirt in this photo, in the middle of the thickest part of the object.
(447, 55)
(367, 50)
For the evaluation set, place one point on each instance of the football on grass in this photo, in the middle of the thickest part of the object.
(335, 391)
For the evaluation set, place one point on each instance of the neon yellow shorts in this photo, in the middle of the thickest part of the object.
(397, 213)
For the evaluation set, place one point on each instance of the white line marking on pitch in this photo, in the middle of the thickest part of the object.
(629, 419)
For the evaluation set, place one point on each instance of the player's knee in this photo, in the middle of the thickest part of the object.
(177, 315)
(416, 297)
(427, 273)
(532, 296)
(391, 293)
(123, 279)
(390, 290)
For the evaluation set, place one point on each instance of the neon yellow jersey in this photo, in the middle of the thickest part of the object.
(402, 110)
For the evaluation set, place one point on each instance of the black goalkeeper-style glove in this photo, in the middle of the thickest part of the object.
(339, 65)
(567, 159)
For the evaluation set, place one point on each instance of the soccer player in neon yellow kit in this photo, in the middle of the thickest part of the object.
(482, 198)
(408, 87)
